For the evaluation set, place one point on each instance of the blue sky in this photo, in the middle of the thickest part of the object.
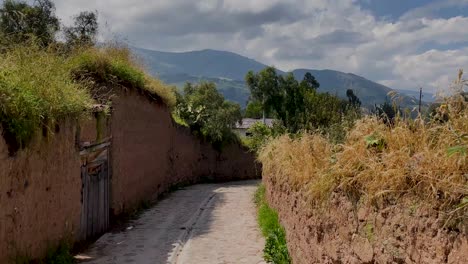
(394, 9)
(403, 44)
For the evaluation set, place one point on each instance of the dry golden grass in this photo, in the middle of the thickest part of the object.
(427, 160)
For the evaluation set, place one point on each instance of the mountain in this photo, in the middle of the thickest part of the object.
(228, 70)
(335, 82)
(206, 63)
(427, 97)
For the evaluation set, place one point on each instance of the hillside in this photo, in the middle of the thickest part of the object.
(336, 82)
(206, 63)
(228, 70)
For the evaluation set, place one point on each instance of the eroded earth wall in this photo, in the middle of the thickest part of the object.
(343, 232)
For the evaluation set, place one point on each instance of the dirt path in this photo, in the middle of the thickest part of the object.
(208, 223)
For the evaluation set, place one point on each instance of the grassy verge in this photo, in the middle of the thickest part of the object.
(275, 250)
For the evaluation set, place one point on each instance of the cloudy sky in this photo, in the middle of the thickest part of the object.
(400, 43)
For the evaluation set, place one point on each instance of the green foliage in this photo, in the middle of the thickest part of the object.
(205, 111)
(462, 150)
(254, 110)
(375, 141)
(59, 255)
(386, 112)
(264, 88)
(84, 30)
(259, 134)
(275, 250)
(36, 89)
(20, 21)
(108, 66)
(115, 65)
(298, 105)
(353, 99)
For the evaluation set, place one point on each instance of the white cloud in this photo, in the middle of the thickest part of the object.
(335, 34)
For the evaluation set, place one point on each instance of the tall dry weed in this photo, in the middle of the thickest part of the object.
(426, 160)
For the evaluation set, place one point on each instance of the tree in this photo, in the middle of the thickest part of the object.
(386, 112)
(264, 88)
(254, 110)
(84, 30)
(310, 82)
(205, 111)
(293, 109)
(20, 21)
(353, 99)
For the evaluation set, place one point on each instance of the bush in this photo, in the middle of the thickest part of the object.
(259, 135)
(206, 112)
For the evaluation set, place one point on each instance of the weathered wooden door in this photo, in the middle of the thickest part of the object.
(95, 190)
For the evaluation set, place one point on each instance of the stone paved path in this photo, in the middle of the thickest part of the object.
(201, 224)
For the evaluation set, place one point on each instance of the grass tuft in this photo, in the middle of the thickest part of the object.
(35, 89)
(39, 87)
(116, 64)
(276, 250)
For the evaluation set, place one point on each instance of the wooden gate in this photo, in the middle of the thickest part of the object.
(95, 190)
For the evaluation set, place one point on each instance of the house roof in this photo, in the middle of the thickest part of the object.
(248, 122)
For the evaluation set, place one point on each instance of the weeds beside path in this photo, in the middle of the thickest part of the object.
(276, 250)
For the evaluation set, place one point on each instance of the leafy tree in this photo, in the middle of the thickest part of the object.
(386, 112)
(293, 111)
(353, 99)
(298, 105)
(205, 111)
(20, 21)
(84, 30)
(254, 109)
(310, 82)
(264, 88)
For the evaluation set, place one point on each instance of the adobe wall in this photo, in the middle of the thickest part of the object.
(39, 194)
(343, 233)
(40, 187)
(150, 153)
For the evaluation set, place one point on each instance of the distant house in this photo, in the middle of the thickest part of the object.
(241, 128)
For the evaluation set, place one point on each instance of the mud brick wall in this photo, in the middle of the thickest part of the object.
(344, 232)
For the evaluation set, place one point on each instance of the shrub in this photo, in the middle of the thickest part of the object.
(259, 134)
(206, 112)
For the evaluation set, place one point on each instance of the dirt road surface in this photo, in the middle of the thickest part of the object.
(201, 224)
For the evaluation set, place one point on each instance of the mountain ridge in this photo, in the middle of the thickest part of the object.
(227, 69)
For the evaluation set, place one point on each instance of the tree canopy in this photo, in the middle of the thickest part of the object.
(84, 30)
(298, 105)
(20, 21)
(205, 111)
